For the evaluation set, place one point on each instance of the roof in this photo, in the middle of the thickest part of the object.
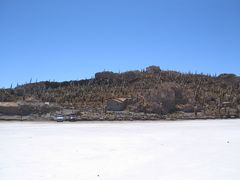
(119, 100)
(226, 102)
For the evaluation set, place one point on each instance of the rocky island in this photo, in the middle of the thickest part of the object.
(148, 94)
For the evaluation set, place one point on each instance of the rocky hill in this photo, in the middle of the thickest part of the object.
(168, 94)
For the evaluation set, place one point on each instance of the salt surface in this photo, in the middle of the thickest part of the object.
(184, 150)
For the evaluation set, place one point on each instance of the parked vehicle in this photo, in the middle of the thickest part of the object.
(72, 117)
(59, 118)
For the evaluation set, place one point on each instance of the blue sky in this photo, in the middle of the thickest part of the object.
(72, 39)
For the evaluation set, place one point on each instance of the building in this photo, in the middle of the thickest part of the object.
(118, 104)
(9, 108)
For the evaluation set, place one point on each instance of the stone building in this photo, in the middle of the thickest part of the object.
(9, 108)
(118, 104)
(25, 108)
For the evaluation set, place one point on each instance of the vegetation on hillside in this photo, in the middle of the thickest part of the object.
(151, 91)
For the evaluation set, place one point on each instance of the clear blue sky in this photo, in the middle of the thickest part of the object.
(72, 39)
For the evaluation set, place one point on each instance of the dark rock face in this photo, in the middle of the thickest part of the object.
(225, 75)
(160, 100)
(130, 76)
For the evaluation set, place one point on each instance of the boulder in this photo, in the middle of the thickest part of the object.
(153, 69)
(105, 75)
